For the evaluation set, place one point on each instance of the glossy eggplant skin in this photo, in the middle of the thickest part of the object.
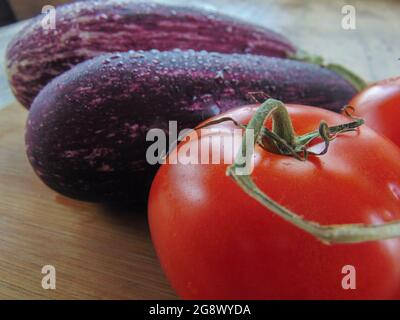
(86, 29)
(86, 131)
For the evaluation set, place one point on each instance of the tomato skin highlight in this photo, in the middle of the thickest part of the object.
(215, 242)
(379, 106)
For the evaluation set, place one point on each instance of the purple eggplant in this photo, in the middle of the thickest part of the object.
(86, 131)
(86, 29)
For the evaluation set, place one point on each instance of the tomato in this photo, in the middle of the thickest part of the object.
(379, 106)
(216, 242)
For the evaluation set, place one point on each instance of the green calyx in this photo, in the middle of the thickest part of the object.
(282, 139)
(350, 76)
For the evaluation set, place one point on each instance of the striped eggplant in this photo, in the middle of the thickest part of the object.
(86, 29)
(86, 129)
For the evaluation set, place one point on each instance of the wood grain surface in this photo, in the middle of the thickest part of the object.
(98, 251)
(101, 252)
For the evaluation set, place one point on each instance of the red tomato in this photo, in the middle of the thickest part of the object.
(379, 106)
(216, 242)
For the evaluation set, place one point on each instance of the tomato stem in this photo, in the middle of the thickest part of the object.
(328, 234)
(283, 140)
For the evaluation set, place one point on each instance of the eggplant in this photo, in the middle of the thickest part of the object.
(86, 29)
(86, 130)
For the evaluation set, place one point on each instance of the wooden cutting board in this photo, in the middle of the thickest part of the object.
(98, 252)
